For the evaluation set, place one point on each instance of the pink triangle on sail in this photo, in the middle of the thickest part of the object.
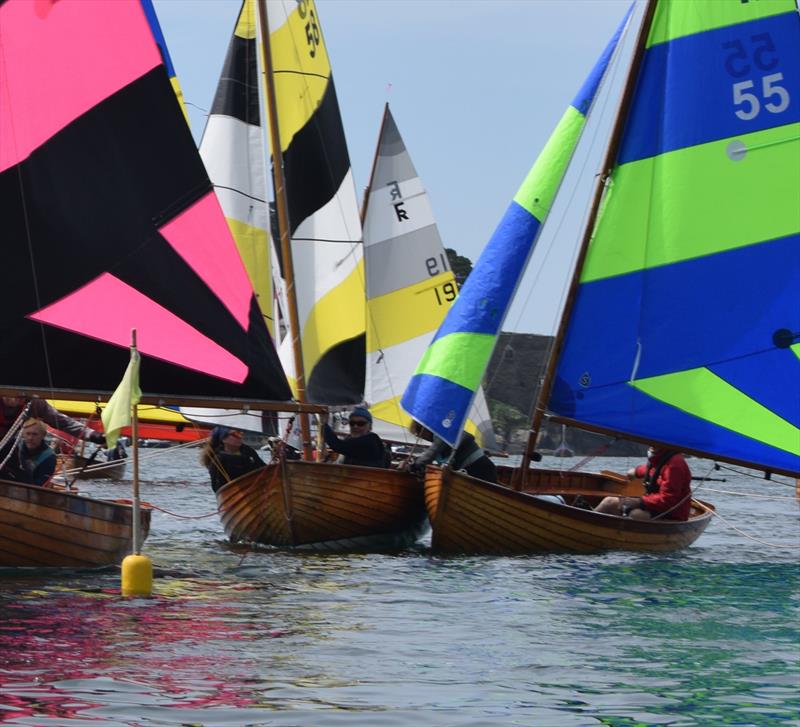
(38, 97)
(200, 235)
(160, 333)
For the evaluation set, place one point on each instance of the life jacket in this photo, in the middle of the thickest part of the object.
(652, 475)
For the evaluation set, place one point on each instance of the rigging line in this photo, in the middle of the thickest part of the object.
(34, 275)
(239, 192)
(324, 239)
(752, 494)
(742, 533)
(597, 112)
(752, 476)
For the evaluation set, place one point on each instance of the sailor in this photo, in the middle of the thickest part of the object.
(33, 462)
(227, 457)
(667, 484)
(13, 407)
(469, 456)
(363, 447)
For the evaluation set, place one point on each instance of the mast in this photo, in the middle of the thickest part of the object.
(608, 162)
(283, 225)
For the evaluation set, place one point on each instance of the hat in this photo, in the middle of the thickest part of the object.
(361, 411)
(217, 435)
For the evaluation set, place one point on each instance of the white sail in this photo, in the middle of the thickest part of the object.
(410, 286)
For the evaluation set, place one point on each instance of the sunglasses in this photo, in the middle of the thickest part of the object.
(358, 422)
(234, 433)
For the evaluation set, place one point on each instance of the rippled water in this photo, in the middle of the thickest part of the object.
(233, 636)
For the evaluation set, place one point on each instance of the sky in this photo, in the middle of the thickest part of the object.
(475, 86)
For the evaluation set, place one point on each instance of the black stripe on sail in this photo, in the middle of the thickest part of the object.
(316, 161)
(237, 90)
(338, 377)
(93, 196)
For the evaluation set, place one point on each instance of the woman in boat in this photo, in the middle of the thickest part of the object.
(469, 456)
(363, 447)
(668, 490)
(226, 457)
(33, 462)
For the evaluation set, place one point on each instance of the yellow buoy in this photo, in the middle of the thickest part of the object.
(137, 576)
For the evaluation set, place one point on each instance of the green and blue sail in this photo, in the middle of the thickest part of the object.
(440, 393)
(686, 326)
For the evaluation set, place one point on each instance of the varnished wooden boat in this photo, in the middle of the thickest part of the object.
(323, 507)
(96, 470)
(43, 527)
(471, 516)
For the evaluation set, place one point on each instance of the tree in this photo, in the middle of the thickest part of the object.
(460, 265)
(506, 420)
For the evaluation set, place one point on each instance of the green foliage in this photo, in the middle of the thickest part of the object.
(506, 419)
(460, 265)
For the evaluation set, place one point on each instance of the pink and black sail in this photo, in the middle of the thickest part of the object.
(110, 221)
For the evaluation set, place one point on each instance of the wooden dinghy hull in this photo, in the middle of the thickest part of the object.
(43, 528)
(114, 470)
(323, 507)
(472, 516)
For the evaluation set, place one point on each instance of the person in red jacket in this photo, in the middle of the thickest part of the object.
(668, 491)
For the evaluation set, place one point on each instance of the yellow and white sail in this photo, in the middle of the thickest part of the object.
(410, 286)
(323, 213)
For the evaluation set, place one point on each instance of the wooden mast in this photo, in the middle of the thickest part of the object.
(543, 396)
(283, 225)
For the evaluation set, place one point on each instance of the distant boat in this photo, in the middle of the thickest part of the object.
(562, 450)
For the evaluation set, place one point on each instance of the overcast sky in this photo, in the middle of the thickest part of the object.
(476, 87)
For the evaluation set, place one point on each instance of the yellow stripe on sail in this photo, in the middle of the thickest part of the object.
(301, 67)
(252, 243)
(337, 316)
(703, 394)
(407, 313)
(246, 25)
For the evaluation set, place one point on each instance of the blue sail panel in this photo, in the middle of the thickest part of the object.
(706, 86)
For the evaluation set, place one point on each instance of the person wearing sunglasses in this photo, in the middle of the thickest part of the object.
(363, 447)
(226, 456)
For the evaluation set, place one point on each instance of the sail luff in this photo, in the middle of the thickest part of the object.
(375, 156)
(543, 395)
(282, 208)
(443, 387)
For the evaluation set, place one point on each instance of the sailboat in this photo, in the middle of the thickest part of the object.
(700, 175)
(409, 287)
(318, 273)
(112, 225)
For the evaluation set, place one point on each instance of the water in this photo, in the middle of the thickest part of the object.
(235, 636)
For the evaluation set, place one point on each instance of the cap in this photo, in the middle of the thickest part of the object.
(361, 411)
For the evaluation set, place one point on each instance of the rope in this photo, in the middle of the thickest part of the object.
(12, 433)
(184, 517)
(741, 532)
(752, 494)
